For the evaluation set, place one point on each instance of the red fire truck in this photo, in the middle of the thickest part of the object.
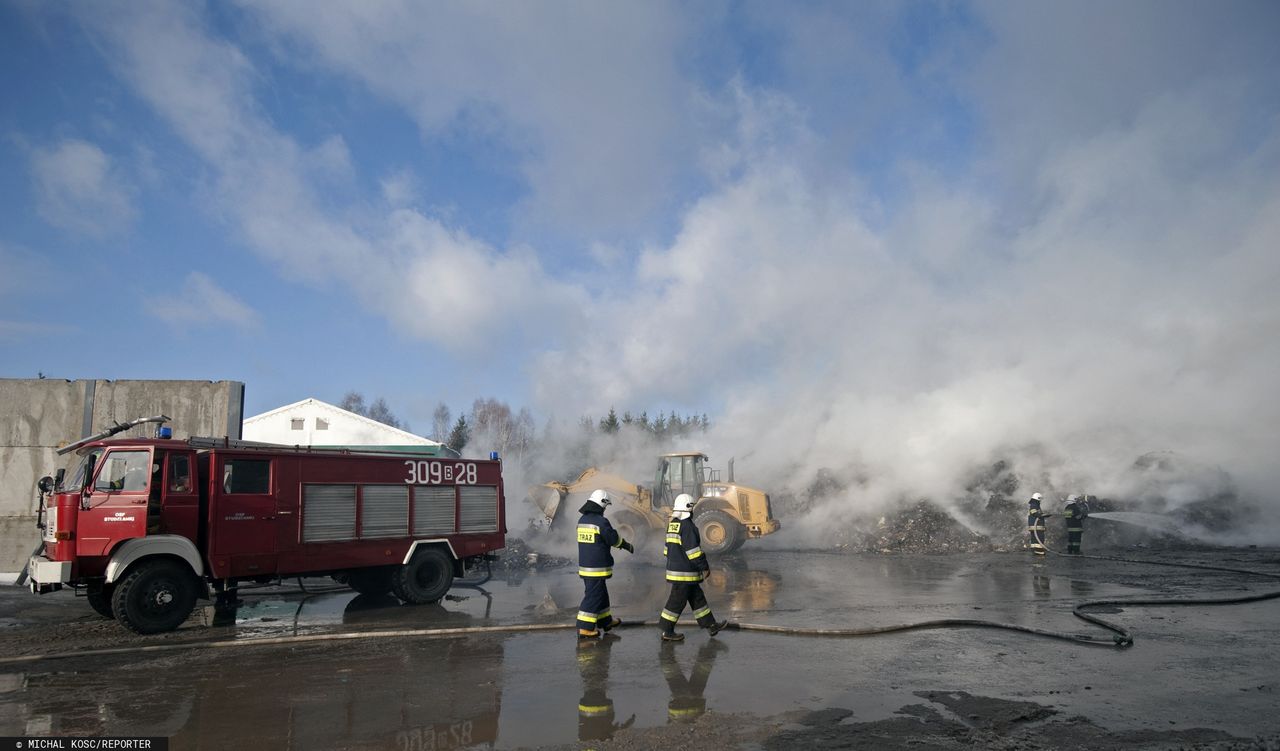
(146, 526)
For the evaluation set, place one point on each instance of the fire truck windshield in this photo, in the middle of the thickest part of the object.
(124, 471)
(75, 479)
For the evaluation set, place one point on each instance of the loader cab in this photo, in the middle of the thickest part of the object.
(678, 473)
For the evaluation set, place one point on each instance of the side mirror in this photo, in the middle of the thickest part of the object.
(45, 485)
(58, 477)
(88, 474)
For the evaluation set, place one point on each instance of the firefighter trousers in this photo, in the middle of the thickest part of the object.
(595, 604)
(1074, 537)
(683, 593)
(1037, 540)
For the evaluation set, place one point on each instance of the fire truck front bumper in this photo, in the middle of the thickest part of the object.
(46, 576)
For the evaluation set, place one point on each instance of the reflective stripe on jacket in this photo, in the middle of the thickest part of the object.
(1075, 513)
(596, 537)
(1035, 517)
(685, 560)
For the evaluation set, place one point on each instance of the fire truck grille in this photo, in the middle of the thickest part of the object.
(433, 510)
(479, 508)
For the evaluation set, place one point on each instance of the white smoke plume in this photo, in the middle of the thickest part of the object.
(1130, 309)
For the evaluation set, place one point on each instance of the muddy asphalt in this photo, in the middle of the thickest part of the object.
(1201, 677)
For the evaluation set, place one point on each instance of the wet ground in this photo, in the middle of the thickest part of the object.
(1197, 676)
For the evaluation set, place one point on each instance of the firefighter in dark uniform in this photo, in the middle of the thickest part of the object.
(595, 708)
(596, 539)
(687, 701)
(686, 568)
(1035, 525)
(1074, 512)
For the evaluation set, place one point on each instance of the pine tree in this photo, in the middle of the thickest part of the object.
(610, 424)
(460, 434)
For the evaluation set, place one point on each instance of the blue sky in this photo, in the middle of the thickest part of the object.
(884, 230)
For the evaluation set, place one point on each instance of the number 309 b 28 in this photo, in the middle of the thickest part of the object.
(435, 473)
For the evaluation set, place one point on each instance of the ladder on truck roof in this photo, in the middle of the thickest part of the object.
(205, 442)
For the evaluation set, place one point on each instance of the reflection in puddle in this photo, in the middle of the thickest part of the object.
(687, 701)
(255, 617)
(595, 708)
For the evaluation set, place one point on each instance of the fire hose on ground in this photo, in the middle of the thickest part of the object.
(1121, 636)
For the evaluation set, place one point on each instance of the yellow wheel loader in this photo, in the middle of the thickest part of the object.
(726, 514)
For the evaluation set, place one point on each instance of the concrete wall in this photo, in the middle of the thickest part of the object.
(39, 415)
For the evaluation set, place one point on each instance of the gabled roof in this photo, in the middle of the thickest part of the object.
(324, 407)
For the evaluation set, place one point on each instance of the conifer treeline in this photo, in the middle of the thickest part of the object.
(513, 433)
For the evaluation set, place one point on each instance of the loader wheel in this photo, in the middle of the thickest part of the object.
(633, 528)
(371, 581)
(100, 600)
(155, 596)
(720, 532)
(424, 579)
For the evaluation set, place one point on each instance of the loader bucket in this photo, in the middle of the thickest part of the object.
(547, 499)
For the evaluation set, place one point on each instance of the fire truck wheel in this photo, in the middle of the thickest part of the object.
(371, 581)
(720, 532)
(155, 596)
(100, 600)
(426, 578)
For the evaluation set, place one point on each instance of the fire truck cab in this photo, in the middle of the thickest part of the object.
(145, 527)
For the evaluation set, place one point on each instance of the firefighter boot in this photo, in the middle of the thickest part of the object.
(587, 634)
(612, 624)
(717, 627)
(668, 629)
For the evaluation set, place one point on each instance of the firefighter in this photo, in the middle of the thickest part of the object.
(1035, 524)
(686, 568)
(1074, 512)
(596, 537)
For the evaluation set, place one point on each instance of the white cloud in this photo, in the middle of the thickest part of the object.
(78, 188)
(588, 97)
(431, 281)
(201, 302)
(1053, 73)
(399, 189)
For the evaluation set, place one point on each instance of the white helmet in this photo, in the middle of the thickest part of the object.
(600, 496)
(1036, 496)
(683, 504)
(1072, 498)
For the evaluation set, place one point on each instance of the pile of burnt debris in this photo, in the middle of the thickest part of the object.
(520, 556)
(991, 516)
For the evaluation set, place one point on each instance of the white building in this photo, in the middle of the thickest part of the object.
(312, 422)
